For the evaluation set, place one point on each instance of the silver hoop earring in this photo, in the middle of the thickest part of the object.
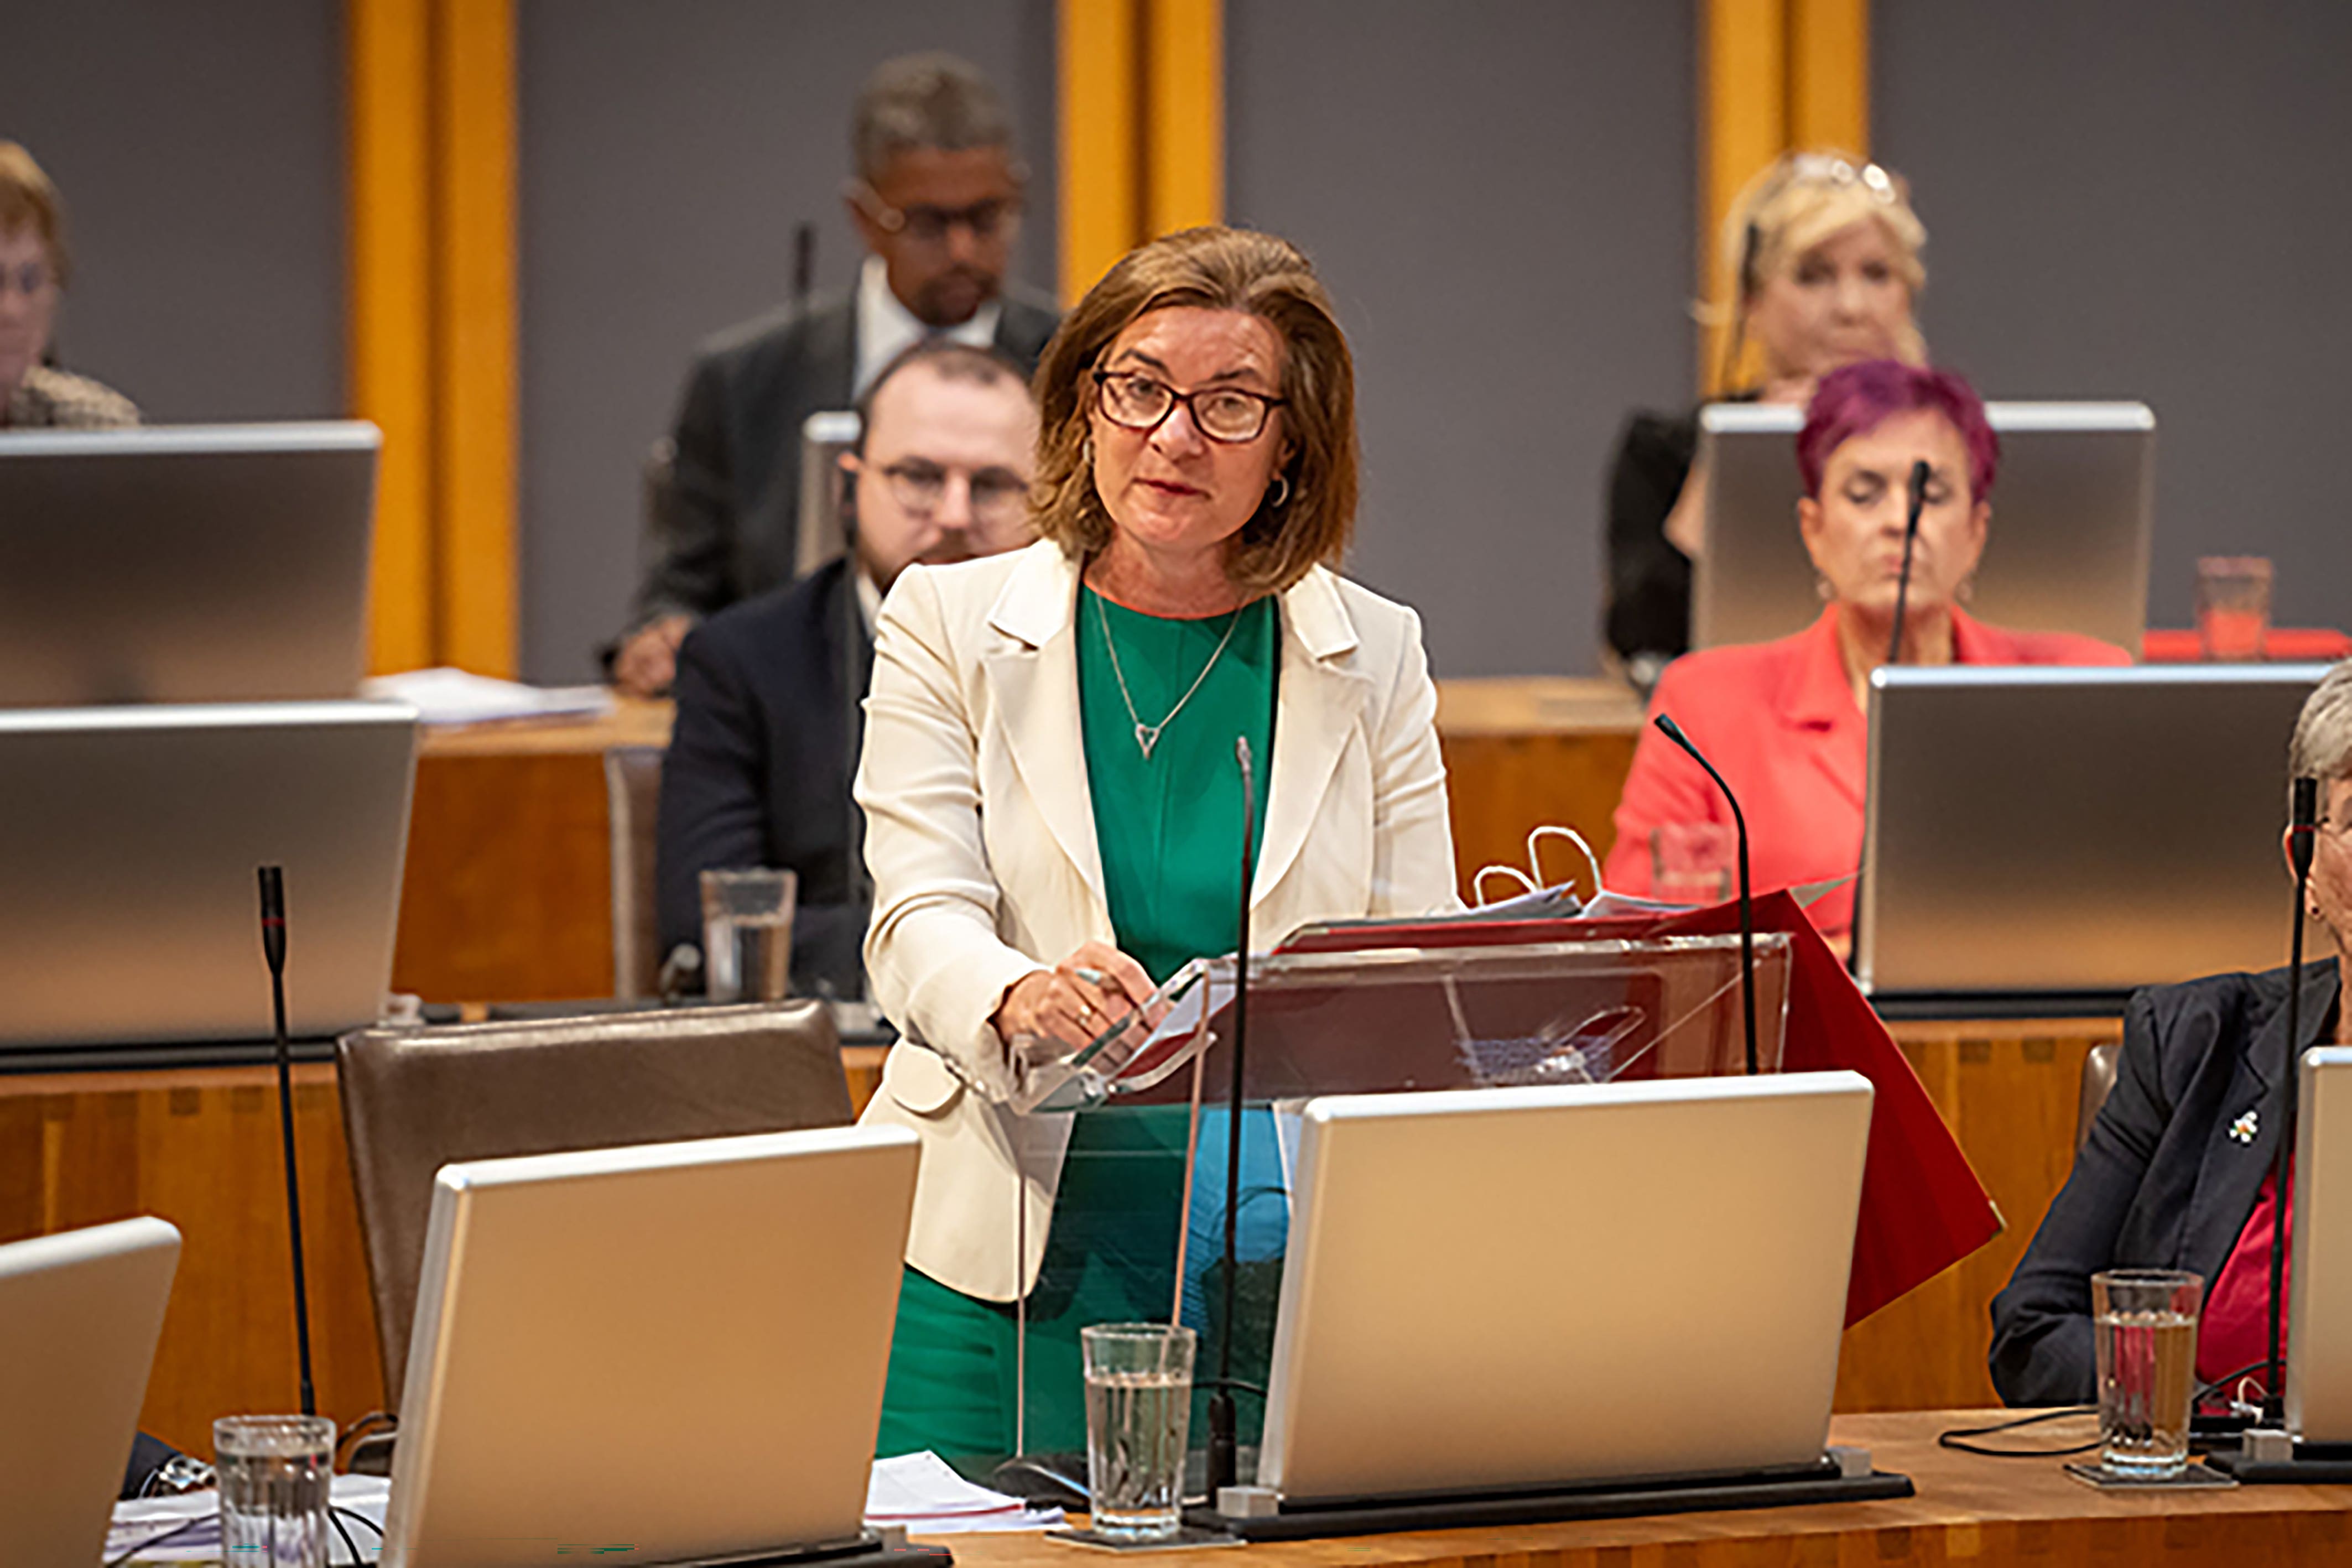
(1279, 496)
(1822, 589)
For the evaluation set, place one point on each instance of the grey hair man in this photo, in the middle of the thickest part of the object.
(936, 200)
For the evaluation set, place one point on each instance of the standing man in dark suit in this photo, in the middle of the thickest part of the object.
(936, 200)
(759, 762)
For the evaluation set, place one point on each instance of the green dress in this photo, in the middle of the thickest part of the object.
(1165, 825)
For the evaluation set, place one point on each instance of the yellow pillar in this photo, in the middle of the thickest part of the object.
(390, 312)
(1184, 100)
(432, 323)
(1773, 75)
(1101, 118)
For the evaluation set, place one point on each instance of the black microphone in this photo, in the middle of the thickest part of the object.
(803, 264)
(1674, 732)
(273, 948)
(2304, 821)
(858, 886)
(1919, 471)
(1224, 1449)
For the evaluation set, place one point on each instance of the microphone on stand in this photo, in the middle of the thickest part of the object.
(1224, 1449)
(273, 948)
(1919, 471)
(1674, 732)
(2304, 821)
(804, 265)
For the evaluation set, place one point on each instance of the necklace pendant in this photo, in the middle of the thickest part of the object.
(1146, 736)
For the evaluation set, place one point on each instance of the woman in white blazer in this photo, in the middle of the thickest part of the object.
(1053, 805)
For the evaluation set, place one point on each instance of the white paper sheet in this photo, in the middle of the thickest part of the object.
(444, 696)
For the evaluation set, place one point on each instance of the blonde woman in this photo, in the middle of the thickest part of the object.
(1823, 252)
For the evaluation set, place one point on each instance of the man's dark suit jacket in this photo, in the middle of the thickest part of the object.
(2161, 1183)
(726, 528)
(758, 768)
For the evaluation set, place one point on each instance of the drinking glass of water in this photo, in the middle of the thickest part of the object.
(747, 934)
(1139, 1405)
(2144, 1325)
(2233, 607)
(273, 1475)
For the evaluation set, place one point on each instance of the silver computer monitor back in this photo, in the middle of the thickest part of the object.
(2319, 1289)
(825, 437)
(185, 563)
(2072, 510)
(1498, 1288)
(80, 1315)
(129, 841)
(2045, 830)
(678, 1349)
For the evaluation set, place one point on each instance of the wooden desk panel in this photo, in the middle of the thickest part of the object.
(200, 1147)
(2009, 1091)
(1968, 1511)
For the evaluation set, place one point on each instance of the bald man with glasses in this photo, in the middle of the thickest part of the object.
(759, 762)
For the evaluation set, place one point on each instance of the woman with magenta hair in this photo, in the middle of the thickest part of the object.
(1785, 720)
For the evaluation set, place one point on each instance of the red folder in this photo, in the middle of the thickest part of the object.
(1923, 1208)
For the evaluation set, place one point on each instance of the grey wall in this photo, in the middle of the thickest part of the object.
(200, 153)
(668, 151)
(2148, 199)
(1499, 194)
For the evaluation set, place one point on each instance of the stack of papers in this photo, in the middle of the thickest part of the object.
(444, 696)
(920, 1494)
(186, 1529)
(916, 1491)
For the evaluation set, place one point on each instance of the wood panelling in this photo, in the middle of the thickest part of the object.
(2010, 1092)
(200, 1148)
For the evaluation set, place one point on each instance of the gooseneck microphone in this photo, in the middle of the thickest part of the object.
(1918, 501)
(803, 264)
(2303, 822)
(273, 948)
(1224, 1450)
(1674, 732)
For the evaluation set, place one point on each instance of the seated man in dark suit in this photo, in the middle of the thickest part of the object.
(936, 201)
(768, 722)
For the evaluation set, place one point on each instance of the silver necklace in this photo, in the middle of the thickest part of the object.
(1146, 736)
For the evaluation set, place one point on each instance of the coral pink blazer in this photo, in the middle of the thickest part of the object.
(1778, 719)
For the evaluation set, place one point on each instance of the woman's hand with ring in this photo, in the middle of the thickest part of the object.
(1070, 1003)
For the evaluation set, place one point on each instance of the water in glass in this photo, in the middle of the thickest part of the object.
(749, 958)
(2148, 1372)
(275, 1472)
(1136, 1428)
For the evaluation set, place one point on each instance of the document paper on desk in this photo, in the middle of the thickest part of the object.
(923, 1493)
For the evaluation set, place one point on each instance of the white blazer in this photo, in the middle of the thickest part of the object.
(981, 838)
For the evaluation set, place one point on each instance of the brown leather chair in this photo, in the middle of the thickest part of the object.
(632, 810)
(2098, 1079)
(415, 1100)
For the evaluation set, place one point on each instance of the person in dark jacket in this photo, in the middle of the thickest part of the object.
(936, 201)
(758, 768)
(2175, 1173)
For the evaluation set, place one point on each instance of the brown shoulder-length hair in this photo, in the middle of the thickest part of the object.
(28, 200)
(1220, 269)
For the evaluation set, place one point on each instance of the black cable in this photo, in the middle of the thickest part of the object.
(2209, 1390)
(1957, 1437)
(360, 1427)
(350, 1550)
(356, 1516)
(1232, 1383)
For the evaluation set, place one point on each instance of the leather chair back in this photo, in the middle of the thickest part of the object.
(2098, 1079)
(632, 813)
(415, 1100)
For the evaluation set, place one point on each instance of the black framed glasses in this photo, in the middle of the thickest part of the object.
(920, 487)
(1222, 413)
(927, 224)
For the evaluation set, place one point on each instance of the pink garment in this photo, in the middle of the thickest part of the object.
(1778, 719)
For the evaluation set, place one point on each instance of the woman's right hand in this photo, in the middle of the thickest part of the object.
(1066, 1006)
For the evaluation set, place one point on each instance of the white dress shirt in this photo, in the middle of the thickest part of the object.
(886, 328)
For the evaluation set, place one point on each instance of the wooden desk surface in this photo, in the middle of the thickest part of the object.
(1969, 1510)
